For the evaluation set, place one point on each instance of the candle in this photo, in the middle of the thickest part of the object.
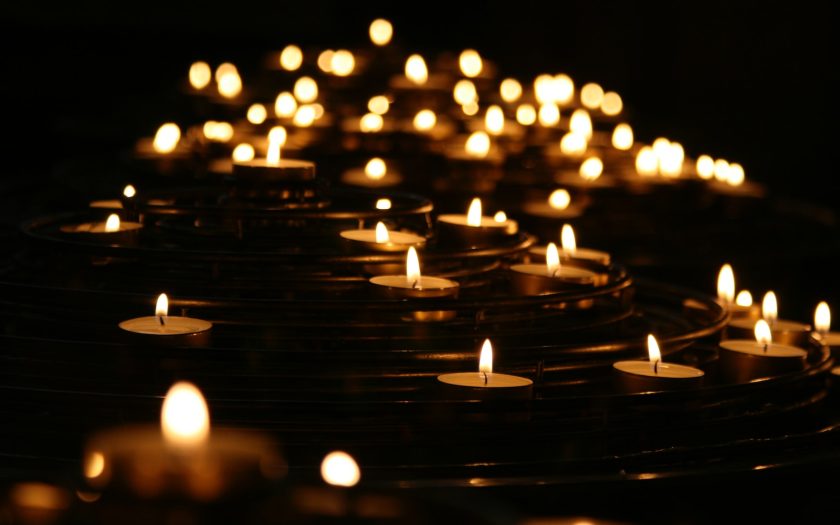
(742, 307)
(654, 375)
(537, 279)
(413, 285)
(112, 229)
(474, 230)
(822, 328)
(272, 168)
(169, 329)
(340, 469)
(486, 384)
(375, 174)
(785, 332)
(570, 250)
(743, 360)
(382, 240)
(558, 205)
(181, 457)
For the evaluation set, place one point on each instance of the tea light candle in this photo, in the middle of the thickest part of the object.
(382, 240)
(570, 250)
(822, 328)
(181, 458)
(413, 285)
(473, 229)
(375, 174)
(272, 168)
(169, 329)
(654, 375)
(785, 332)
(111, 230)
(744, 360)
(536, 279)
(486, 384)
(742, 307)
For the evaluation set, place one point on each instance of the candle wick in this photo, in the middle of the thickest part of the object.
(765, 347)
(656, 367)
(485, 377)
(162, 321)
(414, 284)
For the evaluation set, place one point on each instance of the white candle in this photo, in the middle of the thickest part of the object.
(744, 360)
(655, 375)
(413, 284)
(168, 328)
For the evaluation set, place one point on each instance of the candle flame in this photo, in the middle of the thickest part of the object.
(229, 83)
(705, 167)
(559, 199)
(485, 358)
(563, 89)
(342, 63)
(654, 355)
(552, 260)
(591, 168)
(744, 298)
(162, 306)
(217, 131)
(306, 89)
(622, 137)
(474, 213)
(478, 144)
(243, 153)
(464, 92)
(721, 170)
(573, 144)
(470, 63)
(291, 58)
(646, 162)
(770, 308)
(256, 114)
(416, 70)
(381, 31)
(285, 105)
(412, 267)
(494, 120)
(510, 89)
(735, 176)
(470, 108)
(325, 60)
(305, 115)
(500, 216)
(567, 239)
(371, 123)
(549, 114)
(276, 140)
(379, 104)
(129, 191)
(382, 235)
(375, 168)
(612, 104)
(581, 123)
(424, 120)
(225, 68)
(726, 284)
(340, 469)
(591, 95)
(526, 114)
(184, 418)
(383, 204)
(822, 318)
(200, 75)
(763, 335)
(167, 137)
(113, 223)
(94, 464)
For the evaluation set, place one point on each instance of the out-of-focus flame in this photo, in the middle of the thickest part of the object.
(371, 123)
(622, 137)
(379, 104)
(129, 191)
(184, 418)
(543, 88)
(383, 204)
(340, 469)
(612, 104)
(494, 120)
(763, 334)
(291, 58)
(591, 95)
(510, 89)
(342, 63)
(726, 284)
(375, 168)
(416, 70)
(412, 267)
(744, 298)
(470, 63)
(306, 89)
(559, 199)
(705, 167)
(563, 89)
(646, 162)
(500, 216)
(573, 144)
(591, 168)
(200, 75)
(822, 318)
(721, 170)
(474, 213)
(256, 114)
(167, 137)
(470, 108)
(654, 355)
(552, 260)
(567, 239)
(581, 123)
(224, 68)
(485, 358)
(243, 152)
(526, 114)
(381, 31)
(671, 159)
(464, 92)
(218, 131)
(285, 105)
(229, 82)
(549, 114)
(162, 306)
(304, 116)
(382, 235)
(112, 224)
(325, 60)
(94, 464)
(736, 175)
(478, 144)
(425, 120)
(770, 308)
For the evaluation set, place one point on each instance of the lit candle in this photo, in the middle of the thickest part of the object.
(273, 168)
(485, 383)
(743, 360)
(181, 458)
(783, 331)
(536, 279)
(376, 174)
(113, 204)
(740, 307)
(822, 327)
(169, 329)
(558, 205)
(570, 250)
(382, 240)
(111, 230)
(474, 229)
(654, 375)
(414, 285)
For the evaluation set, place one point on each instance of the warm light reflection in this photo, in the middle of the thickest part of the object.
(646, 162)
(510, 89)
(304, 116)
(494, 120)
(573, 144)
(200, 75)
(464, 92)
(559, 199)
(167, 137)
(721, 170)
(340, 469)
(736, 175)
(822, 318)
(612, 104)
(379, 104)
(342, 63)
(129, 191)
(243, 153)
(112, 224)
(375, 168)
(383, 204)
(162, 306)
(416, 70)
(285, 105)
(500, 216)
(654, 355)
(382, 235)
(591, 95)
(94, 464)
(381, 31)
(744, 299)
(552, 260)
(549, 114)
(371, 123)
(217, 131)
(184, 418)
(474, 213)
(412, 267)
(470, 63)
(705, 167)
(325, 60)
(581, 123)
(770, 308)
(591, 168)
(622, 137)
(306, 89)
(726, 284)
(256, 114)
(567, 240)
(478, 144)
(763, 334)
(291, 58)
(485, 358)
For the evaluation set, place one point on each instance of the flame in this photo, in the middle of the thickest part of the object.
(325, 60)
(167, 137)
(654, 354)
(485, 358)
(129, 191)
(474, 213)
(342, 63)
(383, 204)
(379, 104)
(526, 114)
(581, 123)
(225, 68)
(591, 168)
(291, 58)
(200, 75)
(256, 114)
(552, 259)
(705, 167)
(573, 144)
(416, 70)
(646, 162)
(375, 168)
(622, 137)
(822, 318)
(726, 284)
(381, 32)
(162, 306)
(229, 83)
(464, 92)
(744, 298)
(243, 153)
(470, 108)
(94, 464)
(478, 144)
(563, 89)
(340, 469)
(736, 175)
(671, 159)
(412, 267)
(371, 123)
(494, 120)
(770, 308)
(306, 89)
(612, 104)
(470, 63)
(184, 418)
(567, 239)
(591, 95)
(217, 131)
(721, 170)
(272, 156)
(559, 199)
(763, 334)
(549, 114)
(285, 105)
(510, 89)
(304, 116)
(382, 235)
(112, 224)
(500, 216)
(424, 120)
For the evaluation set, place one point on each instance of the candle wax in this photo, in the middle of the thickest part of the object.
(399, 241)
(754, 348)
(509, 226)
(173, 325)
(477, 380)
(664, 371)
